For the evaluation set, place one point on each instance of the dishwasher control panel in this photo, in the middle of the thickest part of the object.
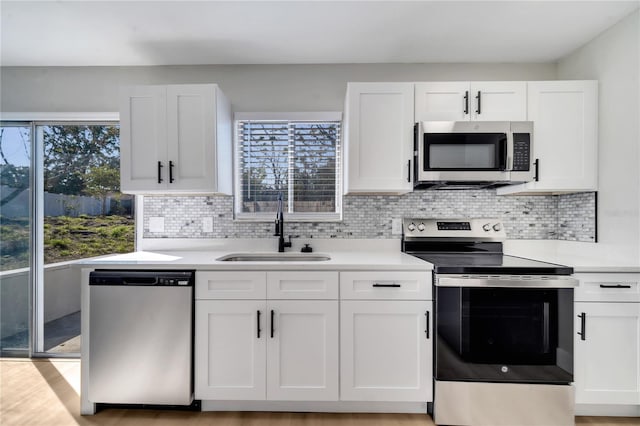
(141, 278)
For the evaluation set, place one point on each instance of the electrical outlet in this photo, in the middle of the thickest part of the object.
(207, 224)
(396, 226)
(156, 224)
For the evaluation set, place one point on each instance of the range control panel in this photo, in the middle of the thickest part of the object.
(472, 229)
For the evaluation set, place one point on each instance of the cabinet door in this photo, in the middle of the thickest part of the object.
(302, 352)
(379, 145)
(385, 351)
(143, 139)
(442, 101)
(565, 136)
(230, 349)
(191, 123)
(607, 361)
(498, 100)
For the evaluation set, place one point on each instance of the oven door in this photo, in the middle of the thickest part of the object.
(504, 334)
(464, 151)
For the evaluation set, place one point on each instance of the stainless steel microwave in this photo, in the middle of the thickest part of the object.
(473, 153)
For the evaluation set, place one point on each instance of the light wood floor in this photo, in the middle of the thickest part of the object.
(45, 392)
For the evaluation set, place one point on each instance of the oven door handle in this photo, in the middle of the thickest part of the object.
(506, 281)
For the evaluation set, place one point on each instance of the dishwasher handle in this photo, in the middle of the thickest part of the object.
(139, 280)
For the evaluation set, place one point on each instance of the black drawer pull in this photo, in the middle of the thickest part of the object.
(386, 285)
(258, 325)
(583, 326)
(171, 179)
(615, 286)
(479, 98)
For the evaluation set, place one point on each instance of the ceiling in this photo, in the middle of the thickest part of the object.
(73, 33)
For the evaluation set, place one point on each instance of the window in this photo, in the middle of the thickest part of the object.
(299, 158)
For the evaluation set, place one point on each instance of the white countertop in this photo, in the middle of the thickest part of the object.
(583, 257)
(207, 260)
(355, 254)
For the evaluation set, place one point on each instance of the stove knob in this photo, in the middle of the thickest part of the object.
(411, 226)
(486, 227)
(497, 227)
(421, 227)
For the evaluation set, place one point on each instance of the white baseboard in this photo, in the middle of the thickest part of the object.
(607, 410)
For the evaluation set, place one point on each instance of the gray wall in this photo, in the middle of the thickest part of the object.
(249, 87)
(612, 58)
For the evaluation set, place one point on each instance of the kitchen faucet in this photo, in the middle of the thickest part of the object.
(280, 227)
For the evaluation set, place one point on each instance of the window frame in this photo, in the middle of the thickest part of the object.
(323, 116)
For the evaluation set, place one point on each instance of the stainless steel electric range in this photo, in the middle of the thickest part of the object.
(503, 353)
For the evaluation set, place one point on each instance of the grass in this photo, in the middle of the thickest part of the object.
(66, 238)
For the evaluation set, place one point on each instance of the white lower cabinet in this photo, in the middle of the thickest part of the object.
(607, 361)
(263, 349)
(607, 339)
(302, 351)
(386, 351)
(229, 349)
(287, 336)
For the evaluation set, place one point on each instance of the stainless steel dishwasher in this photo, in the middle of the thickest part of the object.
(141, 337)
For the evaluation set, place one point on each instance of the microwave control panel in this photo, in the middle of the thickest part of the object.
(521, 152)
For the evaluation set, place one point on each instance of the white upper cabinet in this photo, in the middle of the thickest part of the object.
(464, 101)
(379, 138)
(565, 137)
(175, 139)
(442, 101)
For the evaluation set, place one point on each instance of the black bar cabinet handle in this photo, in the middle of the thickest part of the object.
(479, 98)
(583, 325)
(171, 179)
(272, 315)
(408, 170)
(426, 331)
(386, 285)
(615, 286)
(466, 102)
(160, 171)
(258, 324)
(536, 176)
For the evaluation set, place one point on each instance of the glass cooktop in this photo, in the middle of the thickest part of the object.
(494, 263)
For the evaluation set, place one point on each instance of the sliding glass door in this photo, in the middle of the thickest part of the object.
(16, 237)
(61, 203)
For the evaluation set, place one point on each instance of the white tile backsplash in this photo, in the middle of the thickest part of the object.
(562, 217)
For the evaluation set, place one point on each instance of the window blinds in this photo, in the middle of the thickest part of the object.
(301, 159)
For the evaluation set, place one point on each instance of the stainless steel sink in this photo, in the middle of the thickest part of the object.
(274, 257)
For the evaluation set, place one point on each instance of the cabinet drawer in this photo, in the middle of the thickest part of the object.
(386, 285)
(231, 285)
(610, 287)
(302, 285)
